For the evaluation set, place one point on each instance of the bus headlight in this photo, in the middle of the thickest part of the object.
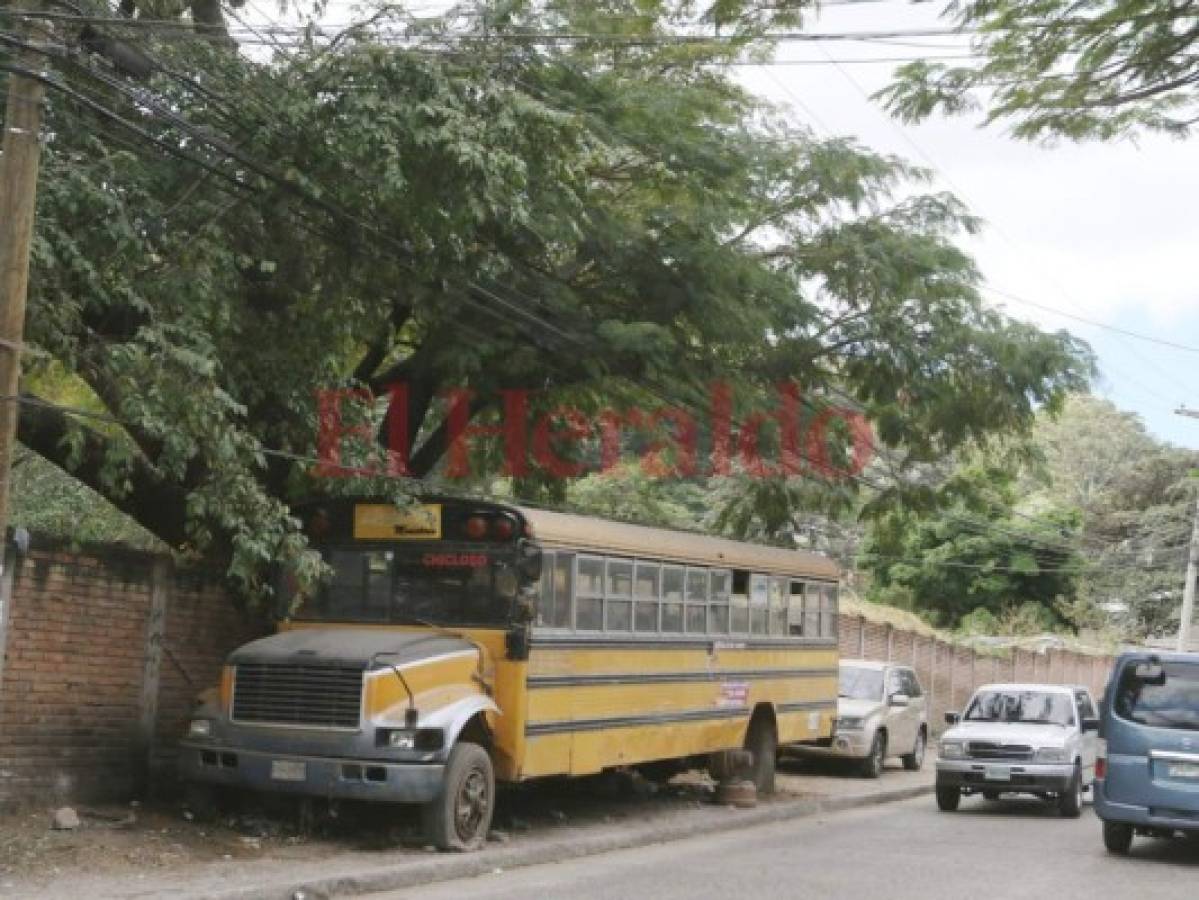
(200, 728)
(410, 738)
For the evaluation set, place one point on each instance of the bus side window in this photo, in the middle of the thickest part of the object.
(697, 601)
(672, 599)
(828, 611)
(795, 609)
(718, 606)
(778, 606)
(811, 610)
(646, 589)
(564, 570)
(618, 599)
(758, 596)
(739, 604)
(589, 594)
(545, 601)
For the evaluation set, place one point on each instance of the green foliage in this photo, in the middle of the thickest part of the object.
(1135, 502)
(628, 494)
(1059, 68)
(46, 500)
(1085, 525)
(975, 565)
(600, 226)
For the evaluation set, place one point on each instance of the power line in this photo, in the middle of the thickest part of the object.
(1106, 326)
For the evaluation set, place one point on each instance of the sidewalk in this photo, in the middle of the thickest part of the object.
(541, 824)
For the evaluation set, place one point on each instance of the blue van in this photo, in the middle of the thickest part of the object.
(1147, 775)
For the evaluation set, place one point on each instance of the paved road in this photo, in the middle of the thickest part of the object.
(1010, 849)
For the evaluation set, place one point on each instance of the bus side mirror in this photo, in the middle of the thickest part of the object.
(529, 560)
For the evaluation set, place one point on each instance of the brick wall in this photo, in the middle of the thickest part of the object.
(103, 653)
(950, 672)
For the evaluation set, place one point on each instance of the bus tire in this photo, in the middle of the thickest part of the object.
(460, 816)
(762, 741)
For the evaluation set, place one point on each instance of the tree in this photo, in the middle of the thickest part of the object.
(1058, 68)
(975, 562)
(1134, 501)
(475, 212)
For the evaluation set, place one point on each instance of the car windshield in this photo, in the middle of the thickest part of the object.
(1046, 707)
(860, 683)
(1171, 701)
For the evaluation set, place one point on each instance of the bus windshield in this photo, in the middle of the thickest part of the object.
(438, 585)
(1171, 701)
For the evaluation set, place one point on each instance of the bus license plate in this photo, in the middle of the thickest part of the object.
(288, 770)
(998, 773)
(1183, 770)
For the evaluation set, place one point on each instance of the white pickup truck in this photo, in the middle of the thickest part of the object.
(1020, 738)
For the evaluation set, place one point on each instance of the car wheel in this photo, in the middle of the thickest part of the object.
(914, 760)
(459, 818)
(990, 795)
(948, 798)
(1069, 804)
(872, 765)
(1117, 837)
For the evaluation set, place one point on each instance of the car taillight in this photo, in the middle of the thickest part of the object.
(1101, 763)
(476, 527)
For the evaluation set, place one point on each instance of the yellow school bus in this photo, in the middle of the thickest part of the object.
(460, 642)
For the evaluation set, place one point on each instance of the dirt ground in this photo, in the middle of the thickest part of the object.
(165, 835)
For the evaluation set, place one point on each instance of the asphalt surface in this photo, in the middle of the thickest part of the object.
(1008, 849)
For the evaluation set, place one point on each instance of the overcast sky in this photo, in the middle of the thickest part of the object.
(1108, 232)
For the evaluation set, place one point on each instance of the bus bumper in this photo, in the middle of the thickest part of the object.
(345, 779)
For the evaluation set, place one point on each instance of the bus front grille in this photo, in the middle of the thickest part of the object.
(287, 694)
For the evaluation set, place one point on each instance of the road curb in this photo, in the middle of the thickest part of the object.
(447, 867)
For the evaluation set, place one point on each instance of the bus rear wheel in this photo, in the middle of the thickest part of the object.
(762, 741)
(460, 817)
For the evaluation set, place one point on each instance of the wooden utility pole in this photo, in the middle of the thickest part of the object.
(18, 195)
(1188, 590)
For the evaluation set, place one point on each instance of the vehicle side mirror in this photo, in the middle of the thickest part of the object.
(529, 561)
(899, 700)
(1090, 724)
(1151, 673)
(952, 718)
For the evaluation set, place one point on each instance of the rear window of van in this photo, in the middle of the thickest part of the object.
(1172, 704)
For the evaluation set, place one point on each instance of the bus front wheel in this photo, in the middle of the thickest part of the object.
(460, 817)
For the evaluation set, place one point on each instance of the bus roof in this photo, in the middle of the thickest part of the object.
(606, 536)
